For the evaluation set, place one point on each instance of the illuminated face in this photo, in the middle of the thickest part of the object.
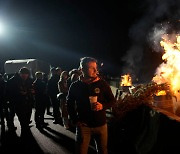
(90, 70)
(24, 76)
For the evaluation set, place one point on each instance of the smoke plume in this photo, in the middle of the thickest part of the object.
(159, 17)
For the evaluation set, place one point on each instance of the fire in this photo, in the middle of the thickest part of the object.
(160, 93)
(126, 80)
(169, 70)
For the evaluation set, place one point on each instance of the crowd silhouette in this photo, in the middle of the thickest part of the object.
(20, 95)
(23, 94)
(31, 101)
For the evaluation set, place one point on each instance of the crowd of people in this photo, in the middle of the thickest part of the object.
(68, 93)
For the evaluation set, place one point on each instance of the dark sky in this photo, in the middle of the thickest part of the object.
(62, 31)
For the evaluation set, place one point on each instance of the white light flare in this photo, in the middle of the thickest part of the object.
(2, 29)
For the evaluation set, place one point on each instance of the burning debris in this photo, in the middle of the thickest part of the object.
(169, 70)
(164, 90)
(125, 86)
(132, 97)
(126, 80)
(142, 94)
(161, 93)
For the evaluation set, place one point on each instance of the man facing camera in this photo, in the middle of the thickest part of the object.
(87, 101)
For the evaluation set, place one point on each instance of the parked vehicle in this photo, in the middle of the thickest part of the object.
(34, 65)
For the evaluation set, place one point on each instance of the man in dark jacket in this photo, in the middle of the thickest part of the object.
(7, 109)
(20, 92)
(40, 99)
(88, 118)
(52, 92)
(2, 98)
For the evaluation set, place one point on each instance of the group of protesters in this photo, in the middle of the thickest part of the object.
(67, 92)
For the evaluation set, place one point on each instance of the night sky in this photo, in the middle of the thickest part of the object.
(62, 31)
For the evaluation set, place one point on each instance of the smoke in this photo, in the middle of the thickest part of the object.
(156, 36)
(162, 31)
(159, 17)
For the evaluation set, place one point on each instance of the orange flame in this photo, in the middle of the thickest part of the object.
(169, 70)
(160, 93)
(126, 80)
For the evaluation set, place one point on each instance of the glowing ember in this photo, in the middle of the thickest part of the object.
(126, 80)
(161, 93)
(169, 70)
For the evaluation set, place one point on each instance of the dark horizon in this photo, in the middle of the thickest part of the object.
(61, 32)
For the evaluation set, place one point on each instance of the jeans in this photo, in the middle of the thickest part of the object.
(83, 137)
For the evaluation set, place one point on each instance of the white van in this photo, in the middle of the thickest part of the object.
(12, 66)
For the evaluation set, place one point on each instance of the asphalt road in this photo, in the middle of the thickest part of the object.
(54, 139)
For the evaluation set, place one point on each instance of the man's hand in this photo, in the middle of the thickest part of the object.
(98, 106)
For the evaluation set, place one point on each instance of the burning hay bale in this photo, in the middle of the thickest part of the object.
(142, 94)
